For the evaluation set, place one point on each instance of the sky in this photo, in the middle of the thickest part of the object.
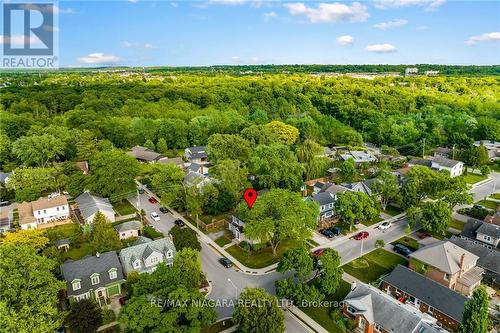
(217, 32)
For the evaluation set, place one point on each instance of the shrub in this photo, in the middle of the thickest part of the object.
(151, 232)
(379, 243)
(108, 316)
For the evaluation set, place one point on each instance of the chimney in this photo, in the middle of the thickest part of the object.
(97, 254)
(353, 285)
(462, 259)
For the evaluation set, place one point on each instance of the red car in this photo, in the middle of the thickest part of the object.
(361, 235)
(318, 252)
(153, 200)
(423, 235)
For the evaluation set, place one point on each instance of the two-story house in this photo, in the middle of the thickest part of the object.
(326, 203)
(89, 205)
(439, 163)
(144, 258)
(449, 265)
(376, 312)
(44, 210)
(96, 277)
(426, 295)
(486, 233)
(196, 154)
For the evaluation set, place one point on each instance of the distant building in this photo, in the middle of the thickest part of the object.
(493, 148)
(44, 210)
(196, 154)
(326, 202)
(431, 73)
(144, 154)
(359, 156)
(486, 233)
(438, 163)
(5, 221)
(144, 258)
(89, 205)
(410, 71)
(443, 152)
(359, 187)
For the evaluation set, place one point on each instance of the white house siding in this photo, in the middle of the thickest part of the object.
(129, 233)
(27, 226)
(50, 214)
(109, 215)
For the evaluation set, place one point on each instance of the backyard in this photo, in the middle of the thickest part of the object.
(495, 196)
(373, 265)
(124, 207)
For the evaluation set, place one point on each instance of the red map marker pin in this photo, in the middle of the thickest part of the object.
(250, 195)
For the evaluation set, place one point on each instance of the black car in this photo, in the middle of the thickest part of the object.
(4, 203)
(226, 262)
(327, 232)
(401, 249)
(179, 223)
(164, 210)
(336, 230)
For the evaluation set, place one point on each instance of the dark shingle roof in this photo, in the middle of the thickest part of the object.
(82, 269)
(323, 198)
(130, 225)
(428, 291)
(489, 258)
(489, 229)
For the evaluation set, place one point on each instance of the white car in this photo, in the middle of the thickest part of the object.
(155, 216)
(385, 226)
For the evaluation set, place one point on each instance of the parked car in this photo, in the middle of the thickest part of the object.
(385, 226)
(155, 216)
(361, 235)
(4, 203)
(336, 230)
(327, 232)
(153, 200)
(180, 223)
(318, 253)
(123, 300)
(423, 235)
(141, 190)
(226, 262)
(165, 210)
(401, 249)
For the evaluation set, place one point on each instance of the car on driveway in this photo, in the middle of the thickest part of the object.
(226, 262)
(152, 200)
(180, 223)
(155, 216)
(423, 235)
(336, 230)
(327, 233)
(318, 253)
(401, 249)
(361, 235)
(385, 226)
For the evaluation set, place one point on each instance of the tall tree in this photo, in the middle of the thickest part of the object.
(386, 187)
(356, 207)
(475, 318)
(104, 237)
(348, 170)
(258, 312)
(149, 144)
(436, 216)
(187, 263)
(161, 146)
(185, 238)
(85, 316)
(38, 150)
(330, 274)
(30, 183)
(287, 134)
(35, 238)
(298, 260)
(233, 175)
(280, 215)
(228, 147)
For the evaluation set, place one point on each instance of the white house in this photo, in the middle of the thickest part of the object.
(43, 210)
(455, 168)
(89, 205)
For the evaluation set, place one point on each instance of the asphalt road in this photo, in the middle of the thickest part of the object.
(485, 189)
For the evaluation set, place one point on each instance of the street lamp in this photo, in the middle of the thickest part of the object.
(235, 288)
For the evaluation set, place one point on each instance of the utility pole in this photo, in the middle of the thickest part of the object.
(453, 152)
(423, 149)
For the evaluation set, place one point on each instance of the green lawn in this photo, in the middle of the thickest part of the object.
(260, 258)
(409, 242)
(495, 196)
(70, 230)
(488, 204)
(124, 207)
(439, 236)
(373, 265)
(321, 314)
(391, 210)
(456, 224)
(222, 240)
(377, 220)
(76, 253)
(472, 178)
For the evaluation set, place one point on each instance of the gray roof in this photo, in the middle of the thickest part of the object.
(444, 256)
(358, 187)
(175, 160)
(472, 226)
(359, 156)
(142, 251)
(4, 176)
(130, 225)
(82, 269)
(446, 162)
(489, 258)
(334, 189)
(89, 204)
(144, 154)
(64, 241)
(194, 167)
(392, 315)
(196, 152)
(323, 198)
(489, 229)
(421, 161)
(142, 240)
(428, 291)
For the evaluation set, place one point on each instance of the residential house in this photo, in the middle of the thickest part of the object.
(129, 229)
(449, 265)
(44, 210)
(144, 154)
(144, 258)
(493, 148)
(199, 168)
(83, 166)
(4, 177)
(426, 295)
(487, 233)
(443, 152)
(326, 202)
(196, 154)
(359, 156)
(326, 152)
(431, 73)
(376, 312)
(411, 71)
(438, 163)
(359, 187)
(493, 219)
(96, 277)
(5, 221)
(175, 160)
(89, 205)
(237, 228)
(197, 179)
(489, 258)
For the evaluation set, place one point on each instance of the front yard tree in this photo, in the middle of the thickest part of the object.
(280, 215)
(258, 312)
(348, 170)
(298, 260)
(435, 216)
(475, 318)
(140, 315)
(187, 263)
(386, 187)
(113, 174)
(356, 207)
(85, 316)
(233, 176)
(28, 291)
(330, 274)
(104, 237)
(185, 238)
(165, 176)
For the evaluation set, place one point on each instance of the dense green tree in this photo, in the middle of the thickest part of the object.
(232, 175)
(475, 318)
(38, 150)
(258, 312)
(386, 187)
(104, 237)
(228, 147)
(140, 315)
(348, 170)
(298, 260)
(330, 274)
(355, 207)
(436, 216)
(35, 239)
(84, 316)
(187, 263)
(299, 293)
(185, 238)
(149, 144)
(161, 146)
(286, 134)
(30, 183)
(86, 145)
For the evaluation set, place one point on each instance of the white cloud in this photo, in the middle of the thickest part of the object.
(390, 24)
(227, 2)
(429, 5)
(381, 48)
(136, 45)
(99, 58)
(18, 40)
(486, 37)
(345, 40)
(422, 28)
(174, 4)
(330, 12)
(270, 14)
(133, 1)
